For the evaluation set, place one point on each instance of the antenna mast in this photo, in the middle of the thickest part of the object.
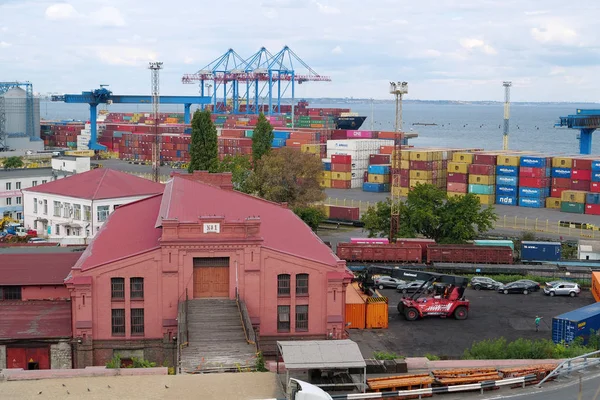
(398, 89)
(507, 86)
(155, 68)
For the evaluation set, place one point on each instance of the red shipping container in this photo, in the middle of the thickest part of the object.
(592, 209)
(341, 159)
(386, 149)
(341, 167)
(487, 159)
(422, 165)
(308, 136)
(534, 182)
(582, 163)
(338, 135)
(379, 159)
(581, 174)
(531, 172)
(564, 183)
(405, 173)
(457, 187)
(344, 213)
(557, 192)
(457, 178)
(404, 181)
(595, 187)
(482, 169)
(339, 184)
(580, 185)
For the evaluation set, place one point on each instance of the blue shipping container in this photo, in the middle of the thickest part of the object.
(506, 200)
(592, 198)
(326, 166)
(561, 172)
(577, 323)
(506, 170)
(281, 135)
(595, 176)
(532, 161)
(536, 193)
(531, 202)
(278, 142)
(482, 189)
(507, 180)
(375, 187)
(596, 166)
(379, 169)
(507, 190)
(540, 251)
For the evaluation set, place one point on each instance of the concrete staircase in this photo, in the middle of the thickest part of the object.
(216, 338)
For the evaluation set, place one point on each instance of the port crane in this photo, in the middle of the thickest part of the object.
(105, 96)
(587, 121)
(258, 73)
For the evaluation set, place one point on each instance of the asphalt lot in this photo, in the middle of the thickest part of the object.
(491, 315)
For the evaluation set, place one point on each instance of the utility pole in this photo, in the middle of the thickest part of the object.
(155, 68)
(398, 89)
(507, 86)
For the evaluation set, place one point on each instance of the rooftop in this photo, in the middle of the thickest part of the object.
(99, 184)
(321, 354)
(36, 268)
(41, 249)
(35, 319)
(30, 173)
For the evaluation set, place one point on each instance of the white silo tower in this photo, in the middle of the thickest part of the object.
(15, 121)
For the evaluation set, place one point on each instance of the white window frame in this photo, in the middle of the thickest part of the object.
(56, 205)
(77, 212)
(35, 205)
(103, 214)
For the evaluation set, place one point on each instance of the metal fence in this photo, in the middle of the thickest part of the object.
(504, 221)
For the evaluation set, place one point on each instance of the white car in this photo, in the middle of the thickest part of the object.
(557, 288)
(37, 240)
(388, 282)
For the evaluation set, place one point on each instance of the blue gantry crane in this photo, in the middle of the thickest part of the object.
(29, 113)
(261, 67)
(587, 121)
(105, 96)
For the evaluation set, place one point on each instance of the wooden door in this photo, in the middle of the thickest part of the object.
(211, 277)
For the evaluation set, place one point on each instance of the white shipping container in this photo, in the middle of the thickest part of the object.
(356, 155)
(356, 183)
(357, 144)
(326, 160)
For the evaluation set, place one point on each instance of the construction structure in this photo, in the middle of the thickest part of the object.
(398, 89)
(507, 85)
(19, 115)
(155, 68)
(587, 121)
(264, 76)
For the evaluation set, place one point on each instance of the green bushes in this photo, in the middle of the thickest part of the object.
(117, 362)
(383, 355)
(500, 349)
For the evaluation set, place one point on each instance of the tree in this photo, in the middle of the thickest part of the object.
(13, 162)
(311, 215)
(429, 212)
(288, 176)
(240, 168)
(262, 138)
(204, 151)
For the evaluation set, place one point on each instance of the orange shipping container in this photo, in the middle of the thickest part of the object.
(296, 142)
(355, 308)
(596, 285)
(377, 312)
(386, 149)
(308, 136)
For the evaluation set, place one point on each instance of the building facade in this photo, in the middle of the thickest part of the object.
(74, 165)
(14, 180)
(73, 211)
(202, 241)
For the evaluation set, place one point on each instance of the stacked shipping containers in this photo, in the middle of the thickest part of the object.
(482, 177)
(359, 152)
(341, 171)
(507, 179)
(592, 206)
(378, 178)
(458, 173)
(561, 180)
(534, 181)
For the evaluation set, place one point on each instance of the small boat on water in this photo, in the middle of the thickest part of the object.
(424, 124)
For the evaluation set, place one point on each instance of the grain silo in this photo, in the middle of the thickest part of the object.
(14, 129)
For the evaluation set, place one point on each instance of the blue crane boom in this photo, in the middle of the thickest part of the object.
(104, 96)
(587, 121)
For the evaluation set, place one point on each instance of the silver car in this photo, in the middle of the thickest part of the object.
(388, 282)
(557, 288)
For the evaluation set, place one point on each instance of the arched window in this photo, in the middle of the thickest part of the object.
(283, 285)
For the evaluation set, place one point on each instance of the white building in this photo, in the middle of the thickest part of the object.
(75, 165)
(72, 210)
(12, 181)
(588, 250)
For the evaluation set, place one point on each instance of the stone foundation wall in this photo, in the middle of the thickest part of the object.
(2, 356)
(61, 356)
(100, 352)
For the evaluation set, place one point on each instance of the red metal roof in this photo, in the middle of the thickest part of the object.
(100, 183)
(36, 268)
(282, 230)
(35, 319)
(129, 230)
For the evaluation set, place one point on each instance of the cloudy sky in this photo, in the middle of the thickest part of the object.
(445, 49)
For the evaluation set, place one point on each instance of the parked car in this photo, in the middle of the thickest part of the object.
(37, 240)
(388, 282)
(482, 282)
(537, 288)
(518, 287)
(558, 288)
(412, 286)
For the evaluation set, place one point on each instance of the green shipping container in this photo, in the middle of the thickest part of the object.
(249, 133)
(497, 243)
(570, 207)
(482, 189)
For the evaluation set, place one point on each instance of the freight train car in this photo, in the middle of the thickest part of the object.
(469, 254)
(379, 253)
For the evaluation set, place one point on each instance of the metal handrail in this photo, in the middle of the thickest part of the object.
(570, 368)
(187, 331)
(250, 336)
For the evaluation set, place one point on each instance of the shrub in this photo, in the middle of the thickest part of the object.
(498, 349)
(432, 357)
(260, 362)
(115, 361)
(383, 355)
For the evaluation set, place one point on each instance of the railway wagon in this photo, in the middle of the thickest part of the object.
(380, 253)
(469, 254)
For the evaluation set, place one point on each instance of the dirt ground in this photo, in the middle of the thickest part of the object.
(239, 386)
(492, 315)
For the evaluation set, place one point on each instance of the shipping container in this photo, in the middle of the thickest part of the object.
(576, 324)
(455, 194)
(532, 202)
(341, 168)
(574, 196)
(486, 199)
(592, 198)
(483, 158)
(506, 200)
(356, 307)
(379, 159)
(379, 253)
(571, 207)
(462, 157)
(341, 159)
(562, 162)
(581, 174)
(595, 176)
(592, 209)
(457, 187)
(482, 189)
(538, 193)
(325, 174)
(533, 161)
(481, 169)
(379, 169)
(377, 178)
(507, 170)
(508, 161)
(580, 185)
(561, 173)
(376, 187)
(563, 183)
(326, 183)
(582, 163)
(469, 254)
(457, 178)
(377, 313)
(534, 182)
(344, 213)
(531, 172)
(553, 202)
(507, 180)
(595, 187)
(461, 168)
(540, 251)
(481, 179)
(596, 166)
(341, 184)
(507, 190)
(557, 192)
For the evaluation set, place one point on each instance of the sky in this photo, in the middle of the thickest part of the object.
(444, 49)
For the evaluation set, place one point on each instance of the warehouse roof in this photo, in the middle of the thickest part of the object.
(98, 184)
(35, 319)
(321, 354)
(36, 268)
(30, 173)
(589, 246)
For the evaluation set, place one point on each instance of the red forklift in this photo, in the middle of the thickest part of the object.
(440, 294)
